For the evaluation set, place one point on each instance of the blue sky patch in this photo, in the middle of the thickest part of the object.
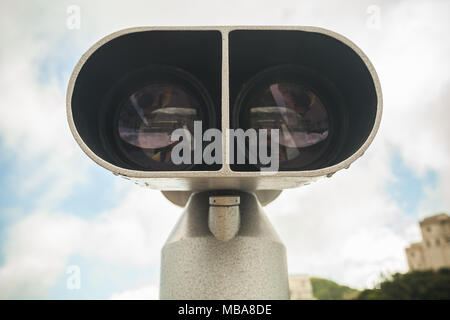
(408, 187)
(99, 279)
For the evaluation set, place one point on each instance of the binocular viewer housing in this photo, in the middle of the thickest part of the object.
(305, 99)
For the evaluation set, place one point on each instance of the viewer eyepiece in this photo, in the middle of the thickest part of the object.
(142, 110)
(303, 105)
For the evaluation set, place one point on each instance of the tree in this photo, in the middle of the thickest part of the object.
(429, 285)
(324, 289)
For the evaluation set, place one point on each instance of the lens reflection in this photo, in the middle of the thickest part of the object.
(149, 116)
(298, 113)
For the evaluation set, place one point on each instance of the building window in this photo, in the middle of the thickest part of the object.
(412, 254)
(429, 229)
(428, 243)
(438, 242)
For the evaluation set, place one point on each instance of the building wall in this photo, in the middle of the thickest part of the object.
(300, 287)
(434, 250)
(415, 257)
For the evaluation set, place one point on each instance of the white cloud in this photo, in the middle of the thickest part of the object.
(412, 59)
(38, 247)
(35, 253)
(150, 292)
(33, 125)
(133, 233)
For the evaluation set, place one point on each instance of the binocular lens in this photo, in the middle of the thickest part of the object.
(144, 109)
(298, 114)
(149, 116)
(292, 100)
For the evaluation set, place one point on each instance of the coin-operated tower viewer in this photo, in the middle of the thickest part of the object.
(221, 120)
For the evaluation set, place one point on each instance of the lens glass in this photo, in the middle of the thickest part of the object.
(298, 113)
(147, 119)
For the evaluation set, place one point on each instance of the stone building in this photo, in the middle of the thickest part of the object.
(433, 252)
(300, 287)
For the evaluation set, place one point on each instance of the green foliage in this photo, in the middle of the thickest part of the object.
(430, 285)
(324, 289)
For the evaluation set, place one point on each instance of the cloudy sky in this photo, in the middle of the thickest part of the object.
(59, 212)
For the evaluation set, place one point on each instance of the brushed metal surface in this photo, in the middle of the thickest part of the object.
(224, 217)
(196, 265)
